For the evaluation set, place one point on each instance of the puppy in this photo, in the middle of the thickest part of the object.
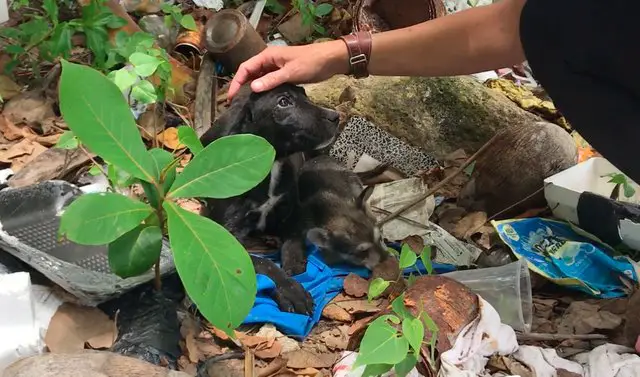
(333, 215)
(287, 119)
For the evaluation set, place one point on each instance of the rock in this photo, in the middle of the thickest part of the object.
(294, 30)
(87, 363)
(515, 166)
(438, 115)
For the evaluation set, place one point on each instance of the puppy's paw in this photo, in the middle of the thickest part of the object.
(293, 298)
(293, 269)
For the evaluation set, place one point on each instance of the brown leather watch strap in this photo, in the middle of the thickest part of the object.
(359, 46)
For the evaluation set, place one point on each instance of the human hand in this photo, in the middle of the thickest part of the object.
(293, 64)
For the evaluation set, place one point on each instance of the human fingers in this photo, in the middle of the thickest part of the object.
(251, 69)
(271, 80)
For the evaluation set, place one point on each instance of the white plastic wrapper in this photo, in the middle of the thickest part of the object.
(4, 11)
(344, 367)
(24, 318)
(210, 4)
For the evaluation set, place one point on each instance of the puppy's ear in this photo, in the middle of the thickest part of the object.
(232, 120)
(319, 237)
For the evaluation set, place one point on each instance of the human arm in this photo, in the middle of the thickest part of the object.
(466, 42)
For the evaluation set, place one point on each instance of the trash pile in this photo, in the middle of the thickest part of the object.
(520, 259)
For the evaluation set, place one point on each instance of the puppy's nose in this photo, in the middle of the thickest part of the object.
(332, 116)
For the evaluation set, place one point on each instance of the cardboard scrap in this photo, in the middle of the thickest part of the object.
(73, 327)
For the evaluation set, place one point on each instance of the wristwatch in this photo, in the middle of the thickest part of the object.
(359, 47)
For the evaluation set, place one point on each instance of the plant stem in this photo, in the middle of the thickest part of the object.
(161, 220)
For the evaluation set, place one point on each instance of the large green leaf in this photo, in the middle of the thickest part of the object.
(413, 330)
(215, 269)
(97, 113)
(382, 344)
(136, 251)
(230, 166)
(188, 137)
(101, 218)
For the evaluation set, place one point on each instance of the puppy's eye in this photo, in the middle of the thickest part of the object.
(284, 102)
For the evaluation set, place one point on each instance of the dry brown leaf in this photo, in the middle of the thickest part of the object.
(355, 285)
(72, 326)
(469, 225)
(191, 348)
(416, 243)
(273, 368)
(302, 359)
(191, 205)
(151, 123)
(9, 130)
(8, 88)
(269, 351)
(21, 154)
(356, 306)
(313, 372)
(32, 108)
(336, 339)
(185, 366)
(251, 340)
(482, 237)
(169, 138)
(208, 349)
(336, 313)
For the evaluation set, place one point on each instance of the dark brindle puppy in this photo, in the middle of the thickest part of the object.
(334, 216)
(286, 118)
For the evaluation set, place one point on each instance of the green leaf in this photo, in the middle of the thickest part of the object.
(51, 8)
(403, 368)
(67, 141)
(375, 370)
(411, 280)
(102, 120)
(629, 191)
(144, 92)
(425, 257)
(188, 137)
(428, 321)
(413, 330)
(61, 40)
(95, 170)
(469, 169)
(398, 307)
(188, 22)
(617, 178)
(163, 160)
(407, 257)
(215, 269)
(14, 49)
(323, 9)
(116, 22)
(376, 287)
(98, 219)
(145, 65)
(230, 166)
(123, 78)
(136, 251)
(97, 40)
(382, 344)
(119, 177)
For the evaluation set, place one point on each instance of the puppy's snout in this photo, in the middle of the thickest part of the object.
(331, 116)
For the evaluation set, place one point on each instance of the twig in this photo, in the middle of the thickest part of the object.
(560, 337)
(93, 160)
(249, 363)
(400, 217)
(440, 184)
(176, 108)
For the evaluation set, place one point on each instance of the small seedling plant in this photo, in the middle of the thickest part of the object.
(215, 269)
(394, 341)
(621, 180)
(311, 12)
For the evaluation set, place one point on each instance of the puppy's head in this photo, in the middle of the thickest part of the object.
(284, 116)
(352, 237)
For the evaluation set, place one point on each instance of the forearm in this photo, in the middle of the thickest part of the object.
(470, 41)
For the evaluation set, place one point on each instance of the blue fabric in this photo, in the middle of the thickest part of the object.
(321, 281)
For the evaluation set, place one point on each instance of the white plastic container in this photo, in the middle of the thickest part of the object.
(563, 190)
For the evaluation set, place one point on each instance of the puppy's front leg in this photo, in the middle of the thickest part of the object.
(294, 256)
(289, 294)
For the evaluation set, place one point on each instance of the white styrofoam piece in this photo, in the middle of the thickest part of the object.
(4, 11)
(210, 4)
(563, 190)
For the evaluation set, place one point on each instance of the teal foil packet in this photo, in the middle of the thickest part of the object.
(568, 256)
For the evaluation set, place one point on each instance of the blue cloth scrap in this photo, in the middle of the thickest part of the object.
(321, 281)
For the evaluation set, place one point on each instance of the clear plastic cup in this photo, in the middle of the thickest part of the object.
(507, 288)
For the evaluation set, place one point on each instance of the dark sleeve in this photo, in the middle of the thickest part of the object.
(586, 55)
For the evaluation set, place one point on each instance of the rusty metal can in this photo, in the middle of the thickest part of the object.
(191, 42)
